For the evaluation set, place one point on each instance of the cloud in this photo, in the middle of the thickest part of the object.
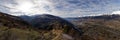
(87, 7)
(28, 7)
(63, 8)
(116, 12)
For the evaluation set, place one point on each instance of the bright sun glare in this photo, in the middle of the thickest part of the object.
(31, 8)
(25, 7)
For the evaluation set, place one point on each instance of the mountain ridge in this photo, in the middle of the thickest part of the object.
(50, 27)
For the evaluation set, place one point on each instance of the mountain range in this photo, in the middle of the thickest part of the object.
(50, 27)
(103, 27)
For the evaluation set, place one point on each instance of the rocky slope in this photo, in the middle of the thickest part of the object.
(14, 28)
(104, 27)
(54, 23)
(12, 21)
(45, 27)
(49, 27)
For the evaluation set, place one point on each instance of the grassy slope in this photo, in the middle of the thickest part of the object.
(99, 29)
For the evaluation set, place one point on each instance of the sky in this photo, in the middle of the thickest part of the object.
(62, 8)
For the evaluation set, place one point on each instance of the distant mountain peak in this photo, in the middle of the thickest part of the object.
(43, 15)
